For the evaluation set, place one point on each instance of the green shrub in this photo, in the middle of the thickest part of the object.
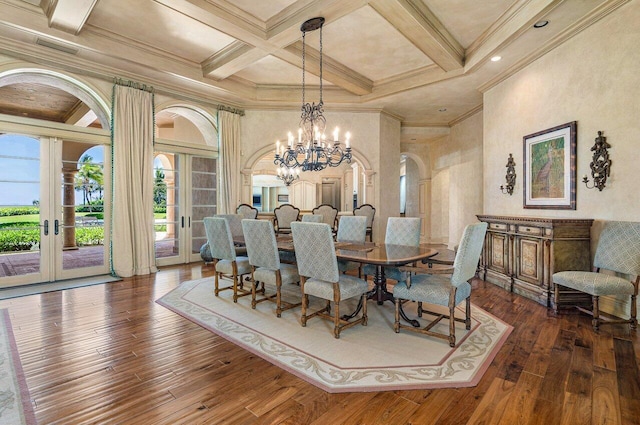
(88, 236)
(159, 209)
(19, 240)
(7, 211)
(90, 208)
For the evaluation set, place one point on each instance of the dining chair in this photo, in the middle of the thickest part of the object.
(247, 211)
(266, 268)
(312, 218)
(433, 287)
(235, 225)
(320, 277)
(285, 214)
(329, 215)
(618, 251)
(400, 231)
(368, 211)
(227, 263)
(351, 229)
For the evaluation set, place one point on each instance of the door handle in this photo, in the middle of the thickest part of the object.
(46, 227)
(189, 222)
(182, 222)
(56, 227)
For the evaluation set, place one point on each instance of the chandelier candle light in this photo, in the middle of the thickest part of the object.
(288, 176)
(312, 151)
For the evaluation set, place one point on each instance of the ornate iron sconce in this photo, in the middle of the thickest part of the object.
(600, 164)
(510, 177)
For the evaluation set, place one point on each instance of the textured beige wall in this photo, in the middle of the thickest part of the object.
(591, 79)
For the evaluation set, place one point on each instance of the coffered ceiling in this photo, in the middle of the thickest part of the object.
(425, 61)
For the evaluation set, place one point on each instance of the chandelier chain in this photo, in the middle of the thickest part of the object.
(321, 65)
(303, 65)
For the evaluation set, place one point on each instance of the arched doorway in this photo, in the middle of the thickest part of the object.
(186, 181)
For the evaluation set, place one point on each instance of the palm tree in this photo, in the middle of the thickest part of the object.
(89, 178)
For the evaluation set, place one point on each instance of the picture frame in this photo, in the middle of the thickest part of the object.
(550, 168)
(283, 198)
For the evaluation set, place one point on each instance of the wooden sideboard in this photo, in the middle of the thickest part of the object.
(521, 254)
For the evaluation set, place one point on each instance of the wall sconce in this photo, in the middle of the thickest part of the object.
(510, 177)
(600, 164)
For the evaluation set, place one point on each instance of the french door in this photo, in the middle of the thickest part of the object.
(53, 224)
(185, 192)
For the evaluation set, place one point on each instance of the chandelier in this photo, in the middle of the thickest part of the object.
(288, 175)
(312, 151)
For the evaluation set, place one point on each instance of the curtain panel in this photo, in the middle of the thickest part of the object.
(229, 147)
(132, 235)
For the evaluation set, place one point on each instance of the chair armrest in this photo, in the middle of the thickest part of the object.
(422, 270)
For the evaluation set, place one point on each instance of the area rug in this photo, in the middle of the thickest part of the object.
(15, 404)
(365, 358)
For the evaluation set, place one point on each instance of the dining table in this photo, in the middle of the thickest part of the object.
(378, 254)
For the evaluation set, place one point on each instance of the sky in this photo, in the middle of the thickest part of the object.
(20, 169)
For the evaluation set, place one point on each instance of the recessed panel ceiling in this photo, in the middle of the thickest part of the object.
(182, 36)
(262, 9)
(466, 20)
(271, 70)
(368, 44)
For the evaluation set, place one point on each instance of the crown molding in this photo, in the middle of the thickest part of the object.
(466, 115)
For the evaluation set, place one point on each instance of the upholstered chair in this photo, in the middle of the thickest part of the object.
(400, 231)
(368, 211)
(351, 229)
(235, 225)
(447, 287)
(285, 214)
(266, 268)
(247, 211)
(227, 263)
(320, 277)
(329, 214)
(312, 218)
(618, 251)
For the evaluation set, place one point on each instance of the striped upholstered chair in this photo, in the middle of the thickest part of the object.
(400, 231)
(433, 287)
(618, 251)
(351, 229)
(319, 275)
(227, 263)
(265, 264)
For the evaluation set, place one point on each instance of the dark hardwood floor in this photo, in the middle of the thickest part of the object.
(108, 354)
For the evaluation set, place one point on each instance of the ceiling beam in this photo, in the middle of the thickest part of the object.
(414, 20)
(69, 15)
(233, 58)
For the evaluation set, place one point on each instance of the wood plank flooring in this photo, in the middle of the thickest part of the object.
(108, 354)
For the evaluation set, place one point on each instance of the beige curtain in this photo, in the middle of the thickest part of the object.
(229, 131)
(132, 237)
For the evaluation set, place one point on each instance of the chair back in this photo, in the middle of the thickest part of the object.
(619, 247)
(352, 228)
(403, 231)
(286, 214)
(247, 211)
(312, 218)
(315, 251)
(368, 211)
(219, 238)
(328, 214)
(260, 240)
(468, 254)
(235, 223)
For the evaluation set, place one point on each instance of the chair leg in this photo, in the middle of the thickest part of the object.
(254, 284)
(396, 323)
(235, 281)
(216, 291)
(419, 308)
(452, 320)
(278, 294)
(305, 303)
(634, 308)
(556, 293)
(336, 313)
(467, 320)
(596, 313)
(365, 318)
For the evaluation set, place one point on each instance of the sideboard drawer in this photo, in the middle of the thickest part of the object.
(530, 230)
(498, 226)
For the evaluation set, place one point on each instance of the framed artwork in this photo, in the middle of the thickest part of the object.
(283, 198)
(550, 168)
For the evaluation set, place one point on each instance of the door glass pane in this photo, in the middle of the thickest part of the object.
(82, 225)
(166, 201)
(203, 198)
(19, 205)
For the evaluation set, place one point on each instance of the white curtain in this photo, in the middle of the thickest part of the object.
(132, 236)
(229, 133)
